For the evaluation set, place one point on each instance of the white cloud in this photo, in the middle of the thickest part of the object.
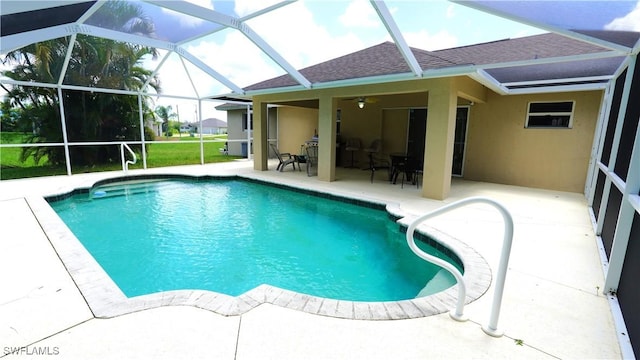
(296, 34)
(236, 58)
(245, 7)
(292, 30)
(187, 20)
(629, 22)
(360, 14)
(229, 53)
(423, 40)
(450, 11)
(174, 81)
(208, 4)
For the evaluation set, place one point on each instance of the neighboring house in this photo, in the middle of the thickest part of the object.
(155, 125)
(239, 126)
(187, 128)
(213, 126)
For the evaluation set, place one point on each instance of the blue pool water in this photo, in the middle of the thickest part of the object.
(230, 236)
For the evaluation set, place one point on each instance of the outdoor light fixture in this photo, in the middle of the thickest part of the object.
(362, 100)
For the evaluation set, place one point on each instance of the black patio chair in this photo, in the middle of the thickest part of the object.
(283, 158)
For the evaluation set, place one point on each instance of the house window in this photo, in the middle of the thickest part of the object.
(550, 115)
(244, 122)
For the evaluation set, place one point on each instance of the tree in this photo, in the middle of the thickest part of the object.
(9, 117)
(166, 114)
(94, 62)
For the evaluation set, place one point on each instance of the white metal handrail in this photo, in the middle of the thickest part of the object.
(458, 313)
(126, 163)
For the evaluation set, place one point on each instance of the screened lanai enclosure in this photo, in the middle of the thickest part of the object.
(84, 82)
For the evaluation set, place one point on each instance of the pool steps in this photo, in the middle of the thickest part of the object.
(123, 188)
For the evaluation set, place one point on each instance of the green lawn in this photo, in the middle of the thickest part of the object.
(176, 151)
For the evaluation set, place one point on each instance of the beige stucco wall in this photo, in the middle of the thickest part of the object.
(362, 124)
(295, 126)
(501, 150)
(394, 130)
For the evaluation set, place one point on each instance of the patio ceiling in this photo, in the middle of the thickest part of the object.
(243, 49)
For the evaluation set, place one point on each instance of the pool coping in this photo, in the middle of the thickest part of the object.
(106, 300)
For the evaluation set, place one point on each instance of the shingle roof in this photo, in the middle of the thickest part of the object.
(213, 122)
(381, 59)
(526, 48)
(386, 59)
(556, 71)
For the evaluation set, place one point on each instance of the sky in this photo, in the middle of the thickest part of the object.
(307, 32)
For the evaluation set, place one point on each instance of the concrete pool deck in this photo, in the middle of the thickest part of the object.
(552, 307)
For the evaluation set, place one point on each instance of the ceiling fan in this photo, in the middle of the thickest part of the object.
(362, 100)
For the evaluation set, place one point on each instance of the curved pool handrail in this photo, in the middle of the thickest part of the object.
(458, 313)
(126, 163)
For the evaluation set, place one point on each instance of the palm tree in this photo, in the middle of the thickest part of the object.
(95, 62)
(166, 114)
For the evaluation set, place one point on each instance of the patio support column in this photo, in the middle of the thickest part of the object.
(326, 139)
(441, 125)
(260, 131)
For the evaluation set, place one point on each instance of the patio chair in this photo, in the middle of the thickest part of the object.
(372, 150)
(398, 165)
(412, 170)
(352, 145)
(312, 159)
(283, 158)
(302, 158)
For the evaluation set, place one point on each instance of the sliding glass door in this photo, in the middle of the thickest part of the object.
(416, 137)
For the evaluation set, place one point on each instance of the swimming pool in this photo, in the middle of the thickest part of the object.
(231, 236)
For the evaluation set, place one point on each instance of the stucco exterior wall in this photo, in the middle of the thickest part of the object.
(237, 135)
(363, 124)
(295, 126)
(394, 130)
(234, 131)
(501, 150)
